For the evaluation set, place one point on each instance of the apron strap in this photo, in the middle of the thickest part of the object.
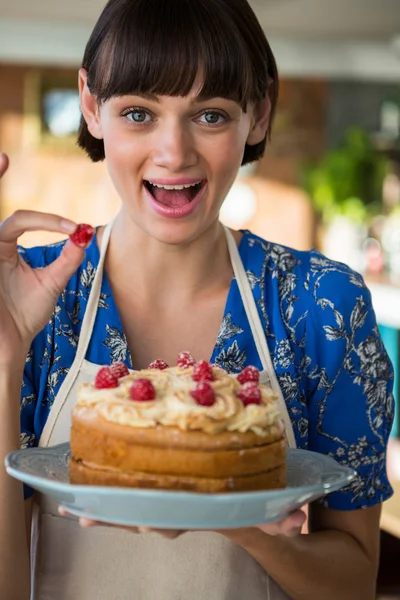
(92, 305)
(257, 331)
(83, 343)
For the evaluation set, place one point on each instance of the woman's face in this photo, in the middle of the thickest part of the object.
(156, 145)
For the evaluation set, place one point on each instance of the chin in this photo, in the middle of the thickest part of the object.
(175, 233)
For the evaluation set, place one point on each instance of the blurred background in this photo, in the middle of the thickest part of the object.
(330, 179)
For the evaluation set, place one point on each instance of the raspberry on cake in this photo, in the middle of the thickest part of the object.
(158, 364)
(185, 360)
(106, 378)
(119, 369)
(204, 394)
(250, 393)
(142, 390)
(192, 428)
(249, 374)
(202, 371)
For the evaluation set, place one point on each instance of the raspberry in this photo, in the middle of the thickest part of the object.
(158, 364)
(142, 390)
(82, 235)
(105, 379)
(119, 369)
(185, 360)
(203, 371)
(204, 394)
(250, 393)
(249, 374)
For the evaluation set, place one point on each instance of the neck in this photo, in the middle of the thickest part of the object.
(189, 269)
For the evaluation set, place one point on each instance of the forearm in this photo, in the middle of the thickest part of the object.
(14, 556)
(326, 564)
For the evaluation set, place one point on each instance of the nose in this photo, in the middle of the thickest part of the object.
(175, 148)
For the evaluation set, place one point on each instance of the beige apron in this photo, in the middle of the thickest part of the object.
(70, 563)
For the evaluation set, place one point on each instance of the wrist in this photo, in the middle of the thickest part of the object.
(10, 392)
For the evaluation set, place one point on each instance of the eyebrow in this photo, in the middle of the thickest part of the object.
(154, 98)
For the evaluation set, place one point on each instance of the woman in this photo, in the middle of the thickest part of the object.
(176, 95)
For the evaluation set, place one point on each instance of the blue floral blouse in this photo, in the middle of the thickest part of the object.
(321, 331)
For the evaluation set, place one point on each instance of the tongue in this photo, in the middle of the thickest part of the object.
(172, 198)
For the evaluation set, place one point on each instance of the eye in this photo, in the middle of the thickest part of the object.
(137, 115)
(213, 117)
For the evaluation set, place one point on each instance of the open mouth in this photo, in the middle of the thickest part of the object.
(174, 196)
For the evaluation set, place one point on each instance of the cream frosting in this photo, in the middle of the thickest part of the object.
(175, 406)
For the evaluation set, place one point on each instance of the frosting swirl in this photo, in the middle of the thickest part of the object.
(175, 406)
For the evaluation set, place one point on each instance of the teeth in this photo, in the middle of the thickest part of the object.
(175, 187)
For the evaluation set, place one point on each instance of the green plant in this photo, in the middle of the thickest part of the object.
(348, 180)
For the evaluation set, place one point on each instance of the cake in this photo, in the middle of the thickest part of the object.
(191, 427)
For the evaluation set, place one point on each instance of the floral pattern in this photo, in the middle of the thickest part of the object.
(227, 331)
(116, 342)
(334, 372)
(231, 359)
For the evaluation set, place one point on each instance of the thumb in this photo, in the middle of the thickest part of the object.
(56, 275)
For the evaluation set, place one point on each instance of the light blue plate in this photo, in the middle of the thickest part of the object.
(309, 476)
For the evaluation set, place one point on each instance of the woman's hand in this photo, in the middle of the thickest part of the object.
(288, 527)
(170, 534)
(28, 296)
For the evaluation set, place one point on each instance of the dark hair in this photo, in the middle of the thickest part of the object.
(157, 46)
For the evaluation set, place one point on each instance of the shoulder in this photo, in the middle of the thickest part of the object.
(309, 270)
(330, 274)
(311, 294)
(274, 258)
(338, 298)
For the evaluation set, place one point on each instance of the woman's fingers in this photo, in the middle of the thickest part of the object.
(289, 527)
(88, 523)
(56, 275)
(169, 534)
(23, 221)
(3, 163)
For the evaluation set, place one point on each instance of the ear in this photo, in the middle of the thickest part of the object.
(89, 107)
(260, 121)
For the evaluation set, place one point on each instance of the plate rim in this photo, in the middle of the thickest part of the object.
(347, 475)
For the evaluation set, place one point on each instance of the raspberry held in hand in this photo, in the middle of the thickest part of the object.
(142, 390)
(105, 379)
(119, 369)
(185, 360)
(249, 374)
(250, 393)
(204, 394)
(82, 236)
(203, 371)
(158, 364)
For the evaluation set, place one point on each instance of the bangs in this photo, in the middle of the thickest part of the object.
(166, 47)
(160, 47)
